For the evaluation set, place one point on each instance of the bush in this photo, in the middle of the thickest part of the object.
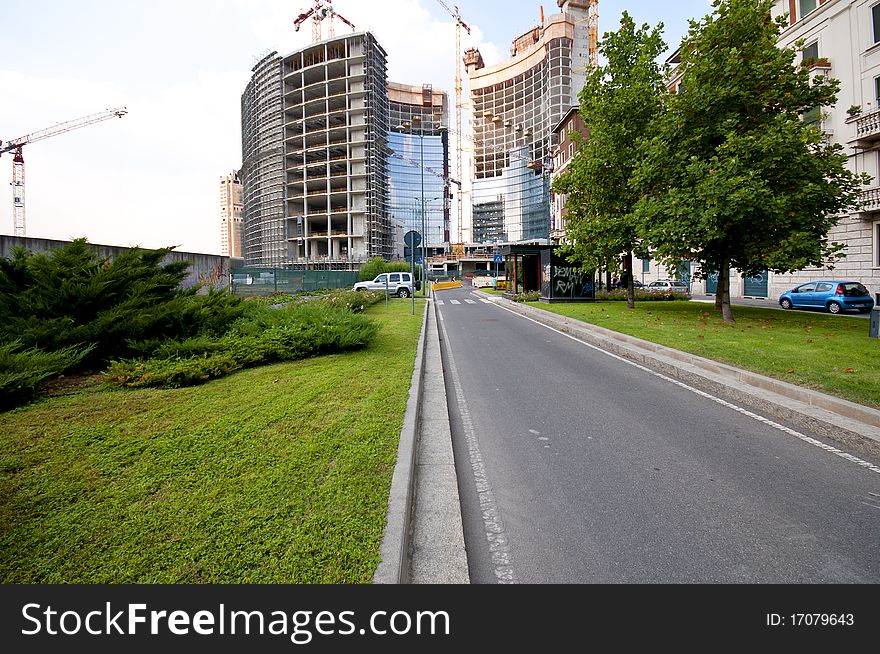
(72, 297)
(619, 294)
(265, 335)
(377, 265)
(22, 370)
(531, 296)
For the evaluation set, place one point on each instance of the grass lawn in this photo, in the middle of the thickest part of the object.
(832, 354)
(278, 474)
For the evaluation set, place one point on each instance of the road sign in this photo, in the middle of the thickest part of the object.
(412, 239)
(498, 259)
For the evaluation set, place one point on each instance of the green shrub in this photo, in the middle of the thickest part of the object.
(265, 335)
(619, 294)
(72, 297)
(377, 265)
(531, 296)
(22, 370)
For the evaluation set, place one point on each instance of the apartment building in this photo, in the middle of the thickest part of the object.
(568, 134)
(841, 39)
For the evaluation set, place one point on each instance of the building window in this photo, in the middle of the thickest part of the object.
(875, 19)
(877, 245)
(806, 6)
(646, 266)
(810, 52)
(877, 90)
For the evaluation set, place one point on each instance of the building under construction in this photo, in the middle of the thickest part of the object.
(262, 172)
(319, 119)
(515, 105)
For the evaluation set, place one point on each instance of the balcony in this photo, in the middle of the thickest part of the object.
(870, 202)
(867, 129)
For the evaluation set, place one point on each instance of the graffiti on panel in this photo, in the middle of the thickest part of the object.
(213, 277)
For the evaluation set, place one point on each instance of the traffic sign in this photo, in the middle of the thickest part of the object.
(412, 239)
(498, 259)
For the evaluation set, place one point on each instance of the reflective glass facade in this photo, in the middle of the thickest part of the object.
(418, 166)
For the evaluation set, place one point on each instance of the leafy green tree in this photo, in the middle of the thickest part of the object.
(737, 177)
(377, 265)
(618, 103)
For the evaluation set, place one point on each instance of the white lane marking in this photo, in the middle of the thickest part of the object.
(454, 302)
(807, 439)
(495, 533)
(536, 433)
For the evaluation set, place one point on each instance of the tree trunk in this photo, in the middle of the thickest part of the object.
(718, 292)
(630, 289)
(724, 290)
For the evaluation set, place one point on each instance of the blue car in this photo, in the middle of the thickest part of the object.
(832, 295)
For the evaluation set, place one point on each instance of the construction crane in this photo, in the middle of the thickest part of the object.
(593, 29)
(322, 9)
(459, 103)
(16, 146)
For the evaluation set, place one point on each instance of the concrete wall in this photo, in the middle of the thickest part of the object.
(208, 269)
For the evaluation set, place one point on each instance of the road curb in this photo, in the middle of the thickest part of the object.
(395, 547)
(849, 423)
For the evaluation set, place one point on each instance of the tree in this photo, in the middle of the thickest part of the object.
(618, 103)
(736, 176)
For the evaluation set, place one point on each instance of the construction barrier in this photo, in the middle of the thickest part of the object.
(443, 286)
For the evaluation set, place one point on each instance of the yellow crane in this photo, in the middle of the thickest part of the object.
(16, 146)
(593, 29)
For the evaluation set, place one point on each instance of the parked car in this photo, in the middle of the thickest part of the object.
(397, 283)
(665, 285)
(830, 294)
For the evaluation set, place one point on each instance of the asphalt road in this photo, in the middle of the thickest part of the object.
(577, 467)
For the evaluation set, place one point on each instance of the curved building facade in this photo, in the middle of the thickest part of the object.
(515, 105)
(262, 171)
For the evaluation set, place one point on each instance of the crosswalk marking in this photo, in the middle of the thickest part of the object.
(454, 302)
(470, 301)
(440, 303)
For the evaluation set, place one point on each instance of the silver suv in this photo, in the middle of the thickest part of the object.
(397, 283)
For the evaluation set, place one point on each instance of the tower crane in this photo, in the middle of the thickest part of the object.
(459, 104)
(16, 146)
(593, 30)
(320, 10)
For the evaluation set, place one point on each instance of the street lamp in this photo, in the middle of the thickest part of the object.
(421, 134)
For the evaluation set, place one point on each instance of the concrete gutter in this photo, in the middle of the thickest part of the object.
(854, 425)
(395, 548)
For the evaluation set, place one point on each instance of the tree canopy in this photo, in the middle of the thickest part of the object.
(619, 103)
(737, 175)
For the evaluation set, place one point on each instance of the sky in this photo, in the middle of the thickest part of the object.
(151, 178)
